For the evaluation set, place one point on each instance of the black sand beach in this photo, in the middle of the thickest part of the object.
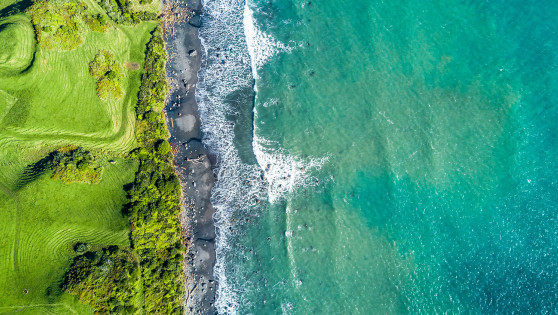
(192, 160)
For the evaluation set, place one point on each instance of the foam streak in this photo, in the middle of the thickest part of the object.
(234, 50)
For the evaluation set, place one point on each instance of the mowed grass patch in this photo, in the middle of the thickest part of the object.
(41, 222)
(18, 45)
(6, 3)
(66, 306)
(56, 95)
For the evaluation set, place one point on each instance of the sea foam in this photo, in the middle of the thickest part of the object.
(234, 50)
(261, 46)
(284, 173)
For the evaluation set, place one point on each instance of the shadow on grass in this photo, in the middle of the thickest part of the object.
(15, 8)
(34, 171)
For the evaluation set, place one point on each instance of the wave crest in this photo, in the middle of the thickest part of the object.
(261, 46)
(233, 50)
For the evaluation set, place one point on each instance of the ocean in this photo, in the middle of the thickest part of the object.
(383, 157)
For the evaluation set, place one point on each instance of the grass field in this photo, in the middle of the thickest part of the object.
(41, 220)
(48, 100)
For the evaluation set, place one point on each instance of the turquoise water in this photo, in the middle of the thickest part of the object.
(409, 151)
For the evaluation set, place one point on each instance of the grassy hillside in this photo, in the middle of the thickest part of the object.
(48, 100)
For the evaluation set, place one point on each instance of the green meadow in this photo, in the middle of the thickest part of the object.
(48, 100)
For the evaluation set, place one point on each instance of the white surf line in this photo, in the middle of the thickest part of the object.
(261, 46)
(234, 50)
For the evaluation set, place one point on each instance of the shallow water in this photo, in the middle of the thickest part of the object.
(408, 151)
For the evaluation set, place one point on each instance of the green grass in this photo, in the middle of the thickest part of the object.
(48, 100)
(16, 55)
(42, 220)
(56, 95)
(6, 3)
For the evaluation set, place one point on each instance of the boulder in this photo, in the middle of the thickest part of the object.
(195, 21)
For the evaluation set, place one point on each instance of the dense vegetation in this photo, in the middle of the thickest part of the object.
(154, 205)
(61, 24)
(97, 22)
(57, 25)
(75, 165)
(108, 279)
(153, 92)
(69, 164)
(123, 12)
(153, 209)
(109, 75)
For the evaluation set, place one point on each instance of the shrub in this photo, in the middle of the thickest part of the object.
(97, 23)
(75, 166)
(163, 148)
(121, 12)
(107, 279)
(60, 24)
(109, 74)
(57, 24)
(81, 248)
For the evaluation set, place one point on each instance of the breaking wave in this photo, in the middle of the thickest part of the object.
(234, 49)
(261, 46)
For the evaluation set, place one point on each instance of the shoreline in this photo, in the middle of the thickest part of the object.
(193, 163)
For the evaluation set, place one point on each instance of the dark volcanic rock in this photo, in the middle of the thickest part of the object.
(195, 21)
(193, 163)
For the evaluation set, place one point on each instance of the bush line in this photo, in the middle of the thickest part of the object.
(155, 195)
(148, 277)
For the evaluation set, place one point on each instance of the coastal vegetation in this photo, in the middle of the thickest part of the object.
(128, 12)
(153, 92)
(109, 75)
(108, 279)
(76, 127)
(155, 195)
(75, 165)
(153, 210)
